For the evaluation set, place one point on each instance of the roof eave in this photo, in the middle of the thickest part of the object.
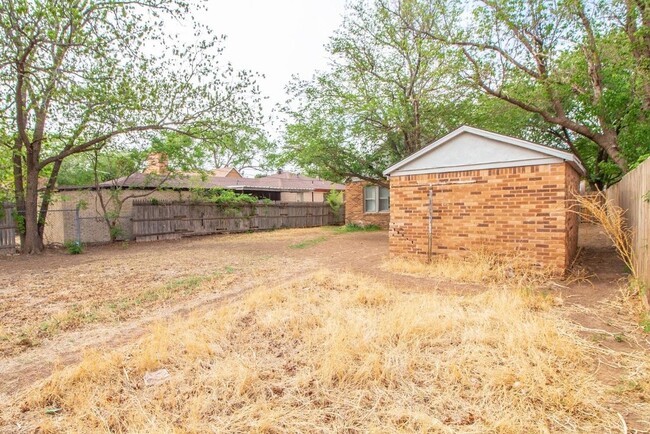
(566, 156)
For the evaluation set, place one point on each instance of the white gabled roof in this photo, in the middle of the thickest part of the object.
(471, 148)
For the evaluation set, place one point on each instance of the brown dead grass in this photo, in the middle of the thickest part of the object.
(597, 208)
(342, 353)
(475, 267)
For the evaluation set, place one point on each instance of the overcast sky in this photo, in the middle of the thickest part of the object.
(277, 38)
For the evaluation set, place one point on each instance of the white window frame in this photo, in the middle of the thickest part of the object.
(378, 194)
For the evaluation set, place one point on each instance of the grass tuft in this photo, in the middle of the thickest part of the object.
(598, 209)
(308, 243)
(353, 227)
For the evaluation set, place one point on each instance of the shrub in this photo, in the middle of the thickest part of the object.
(354, 227)
(73, 247)
(227, 198)
(334, 199)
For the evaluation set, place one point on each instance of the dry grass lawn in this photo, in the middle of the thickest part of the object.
(339, 352)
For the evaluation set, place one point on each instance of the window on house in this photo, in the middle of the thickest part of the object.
(376, 199)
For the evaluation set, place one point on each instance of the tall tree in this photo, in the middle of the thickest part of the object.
(580, 65)
(6, 176)
(382, 99)
(76, 74)
(390, 90)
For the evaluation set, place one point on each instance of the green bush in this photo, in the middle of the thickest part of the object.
(334, 199)
(353, 227)
(73, 247)
(227, 198)
(116, 232)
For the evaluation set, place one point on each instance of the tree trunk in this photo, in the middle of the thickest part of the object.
(19, 192)
(608, 142)
(33, 236)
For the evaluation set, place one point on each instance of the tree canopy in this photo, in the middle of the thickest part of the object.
(572, 74)
(581, 66)
(76, 75)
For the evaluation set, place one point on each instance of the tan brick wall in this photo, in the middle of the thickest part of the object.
(307, 196)
(60, 224)
(509, 210)
(354, 207)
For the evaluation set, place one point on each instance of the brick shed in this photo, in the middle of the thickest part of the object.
(485, 191)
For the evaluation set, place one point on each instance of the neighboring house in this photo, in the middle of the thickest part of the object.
(367, 204)
(155, 183)
(313, 189)
(488, 191)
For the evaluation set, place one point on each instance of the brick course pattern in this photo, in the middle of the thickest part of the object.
(354, 207)
(508, 210)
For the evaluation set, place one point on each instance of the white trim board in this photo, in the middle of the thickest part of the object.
(493, 151)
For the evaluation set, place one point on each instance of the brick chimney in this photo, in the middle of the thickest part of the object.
(156, 164)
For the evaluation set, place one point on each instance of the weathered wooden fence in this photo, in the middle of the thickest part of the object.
(170, 220)
(7, 229)
(632, 193)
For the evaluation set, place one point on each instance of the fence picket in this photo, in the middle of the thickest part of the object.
(7, 229)
(631, 194)
(172, 219)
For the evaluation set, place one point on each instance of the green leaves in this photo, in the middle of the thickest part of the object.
(377, 103)
(576, 66)
(78, 75)
(391, 90)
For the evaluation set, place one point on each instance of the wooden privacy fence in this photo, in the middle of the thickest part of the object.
(632, 193)
(7, 229)
(170, 220)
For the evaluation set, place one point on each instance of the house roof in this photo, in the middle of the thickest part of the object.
(290, 175)
(224, 171)
(474, 149)
(192, 181)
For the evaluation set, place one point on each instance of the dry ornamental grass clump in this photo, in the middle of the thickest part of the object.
(598, 209)
(479, 266)
(341, 354)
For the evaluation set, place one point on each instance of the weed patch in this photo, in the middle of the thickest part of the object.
(308, 243)
(353, 227)
(111, 310)
(73, 247)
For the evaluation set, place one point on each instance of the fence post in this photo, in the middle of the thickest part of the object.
(77, 226)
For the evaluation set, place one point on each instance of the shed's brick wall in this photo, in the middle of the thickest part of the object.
(572, 187)
(354, 207)
(509, 210)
